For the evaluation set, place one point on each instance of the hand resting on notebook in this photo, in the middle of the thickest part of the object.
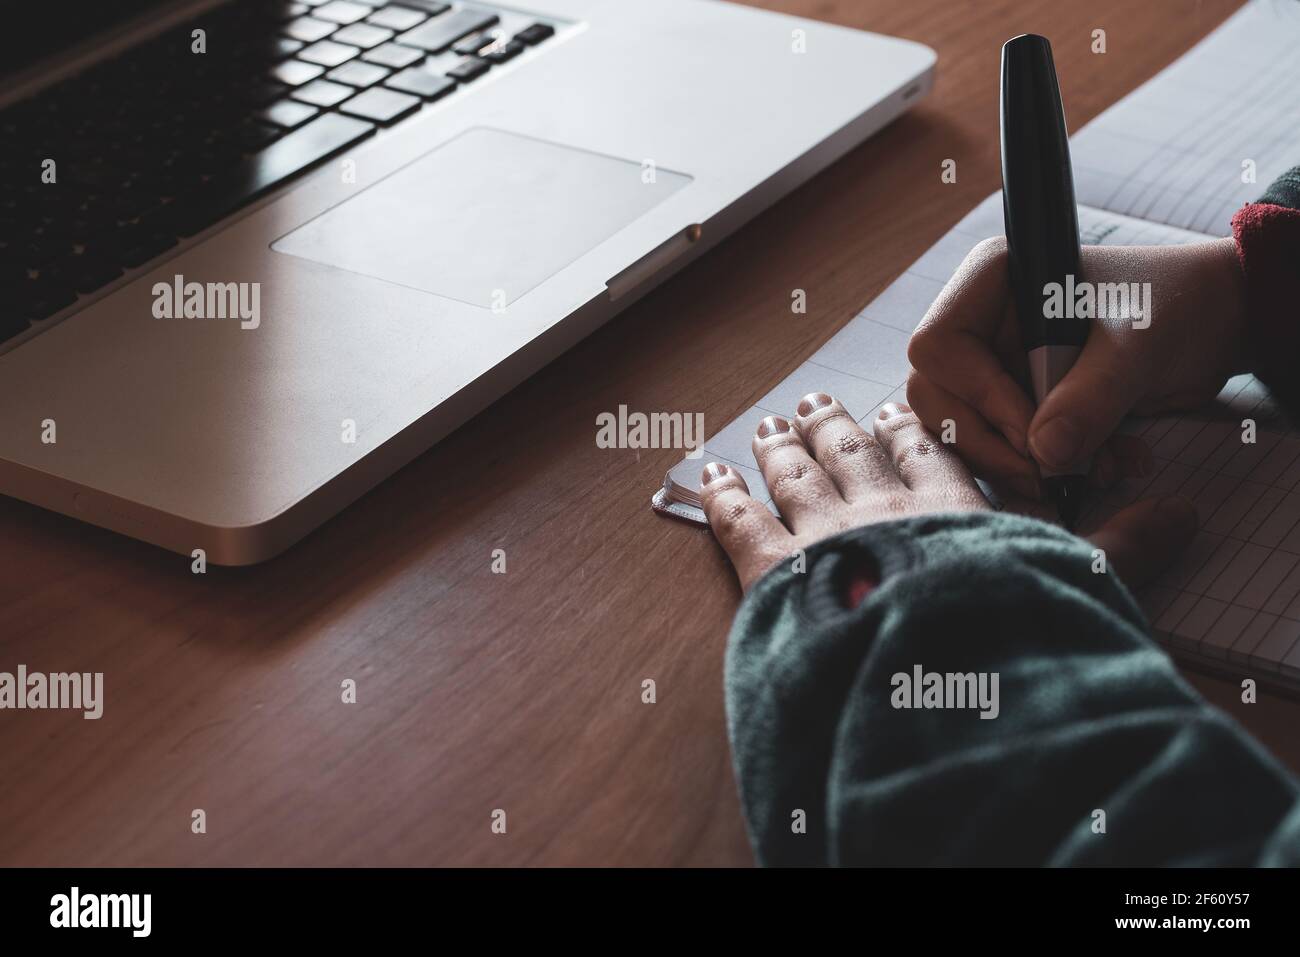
(828, 475)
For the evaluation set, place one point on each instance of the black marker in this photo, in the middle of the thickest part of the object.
(1042, 228)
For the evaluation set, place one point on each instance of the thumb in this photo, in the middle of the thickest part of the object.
(1084, 408)
(1144, 539)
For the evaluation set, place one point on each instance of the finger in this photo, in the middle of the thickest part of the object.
(1086, 406)
(851, 457)
(799, 486)
(986, 452)
(1147, 537)
(956, 343)
(920, 459)
(1123, 456)
(745, 528)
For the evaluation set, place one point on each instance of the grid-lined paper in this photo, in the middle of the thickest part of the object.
(1234, 598)
(1173, 150)
(1163, 166)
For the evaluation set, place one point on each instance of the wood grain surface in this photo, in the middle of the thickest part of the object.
(521, 691)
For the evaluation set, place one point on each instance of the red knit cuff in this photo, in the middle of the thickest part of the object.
(861, 584)
(1268, 247)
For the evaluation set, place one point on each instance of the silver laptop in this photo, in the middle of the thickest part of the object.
(257, 255)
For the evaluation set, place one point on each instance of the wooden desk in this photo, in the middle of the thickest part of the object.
(521, 691)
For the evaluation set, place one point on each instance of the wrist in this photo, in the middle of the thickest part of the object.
(1228, 301)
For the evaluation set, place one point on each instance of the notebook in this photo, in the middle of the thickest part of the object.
(1170, 163)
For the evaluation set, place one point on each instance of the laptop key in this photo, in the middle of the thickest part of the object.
(284, 47)
(324, 136)
(288, 114)
(468, 70)
(327, 53)
(84, 271)
(341, 11)
(422, 83)
(359, 74)
(393, 55)
(363, 35)
(323, 93)
(397, 18)
(251, 136)
(380, 105)
(440, 33)
(471, 45)
(535, 34)
(505, 52)
(309, 29)
(296, 73)
(40, 297)
(142, 248)
(431, 7)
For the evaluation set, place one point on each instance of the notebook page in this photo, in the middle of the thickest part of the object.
(1173, 150)
(1234, 598)
(865, 364)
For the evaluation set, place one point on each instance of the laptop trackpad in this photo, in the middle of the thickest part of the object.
(483, 218)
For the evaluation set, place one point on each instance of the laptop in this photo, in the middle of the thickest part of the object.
(257, 255)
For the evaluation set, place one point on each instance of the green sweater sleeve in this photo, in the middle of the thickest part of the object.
(1092, 750)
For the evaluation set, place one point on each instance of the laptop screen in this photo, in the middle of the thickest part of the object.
(49, 26)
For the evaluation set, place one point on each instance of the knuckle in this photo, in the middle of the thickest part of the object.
(845, 448)
(916, 452)
(836, 417)
(732, 515)
(990, 251)
(896, 425)
(850, 444)
(920, 345)
(790, 476)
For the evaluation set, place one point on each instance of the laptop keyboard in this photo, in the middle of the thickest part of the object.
(162, 142)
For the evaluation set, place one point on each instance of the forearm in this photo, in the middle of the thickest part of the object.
(1090, 715)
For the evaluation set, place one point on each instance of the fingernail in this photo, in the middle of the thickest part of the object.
(893, 408)
(713, 471)
(772, 425)
(814, 401)
(1016, 438)
(1057, 442)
